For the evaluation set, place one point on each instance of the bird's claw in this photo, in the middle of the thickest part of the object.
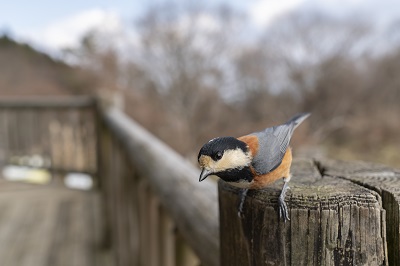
(240, 210)
(283, 210)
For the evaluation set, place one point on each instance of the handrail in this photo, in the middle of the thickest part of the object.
(192, 206)
(48, 102)
(156, 213)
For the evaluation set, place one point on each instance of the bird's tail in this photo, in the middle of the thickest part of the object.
(297, 119)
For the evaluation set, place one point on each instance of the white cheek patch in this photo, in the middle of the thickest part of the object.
(233, 159)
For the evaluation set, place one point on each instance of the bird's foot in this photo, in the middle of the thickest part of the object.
(283, 210)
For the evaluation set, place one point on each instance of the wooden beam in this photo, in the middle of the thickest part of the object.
(47, 102)
(193, 206)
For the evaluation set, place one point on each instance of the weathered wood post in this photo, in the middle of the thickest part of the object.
(386, 182)
(334, 221)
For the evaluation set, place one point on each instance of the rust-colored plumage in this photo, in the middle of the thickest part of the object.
(253, 161)
(263, 180)
(251, 142)
(282, 171)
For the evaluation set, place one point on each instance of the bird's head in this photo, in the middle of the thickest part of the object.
(223, 155)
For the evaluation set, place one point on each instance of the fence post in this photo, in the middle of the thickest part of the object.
(385, 181)
(333, 222)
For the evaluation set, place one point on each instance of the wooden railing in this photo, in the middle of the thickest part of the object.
(333, 221)
(159, 213)
(156, 212)
(54, 133)
(336, 219)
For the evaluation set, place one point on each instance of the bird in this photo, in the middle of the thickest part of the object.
(253, 161)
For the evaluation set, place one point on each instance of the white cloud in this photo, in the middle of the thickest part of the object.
(262, 12)
(68, 31)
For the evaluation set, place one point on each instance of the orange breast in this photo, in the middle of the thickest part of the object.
(283, 170)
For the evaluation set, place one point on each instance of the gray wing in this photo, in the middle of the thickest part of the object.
(273, 143)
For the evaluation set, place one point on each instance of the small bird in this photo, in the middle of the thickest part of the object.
(252, 161)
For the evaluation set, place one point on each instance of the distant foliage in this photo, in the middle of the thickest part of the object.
(193, 73)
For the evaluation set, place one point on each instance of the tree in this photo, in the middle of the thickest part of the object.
(184, 53)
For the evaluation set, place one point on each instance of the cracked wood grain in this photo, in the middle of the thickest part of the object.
(382, 179)
(333, 222)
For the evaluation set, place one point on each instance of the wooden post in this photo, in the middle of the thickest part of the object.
(333, 222)
(383, 180)
(167, 239)
(184, 254)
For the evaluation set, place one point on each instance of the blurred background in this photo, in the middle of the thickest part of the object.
(193, 70)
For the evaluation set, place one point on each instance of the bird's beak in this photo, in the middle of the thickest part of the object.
(204, 174)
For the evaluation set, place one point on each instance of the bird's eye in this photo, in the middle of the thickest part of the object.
(218, 156)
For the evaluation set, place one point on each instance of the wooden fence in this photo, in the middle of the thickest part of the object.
(341, 213)
(54, 133)
(157, 213)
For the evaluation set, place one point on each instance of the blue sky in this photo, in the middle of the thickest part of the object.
(23, 14)
(56, 24)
